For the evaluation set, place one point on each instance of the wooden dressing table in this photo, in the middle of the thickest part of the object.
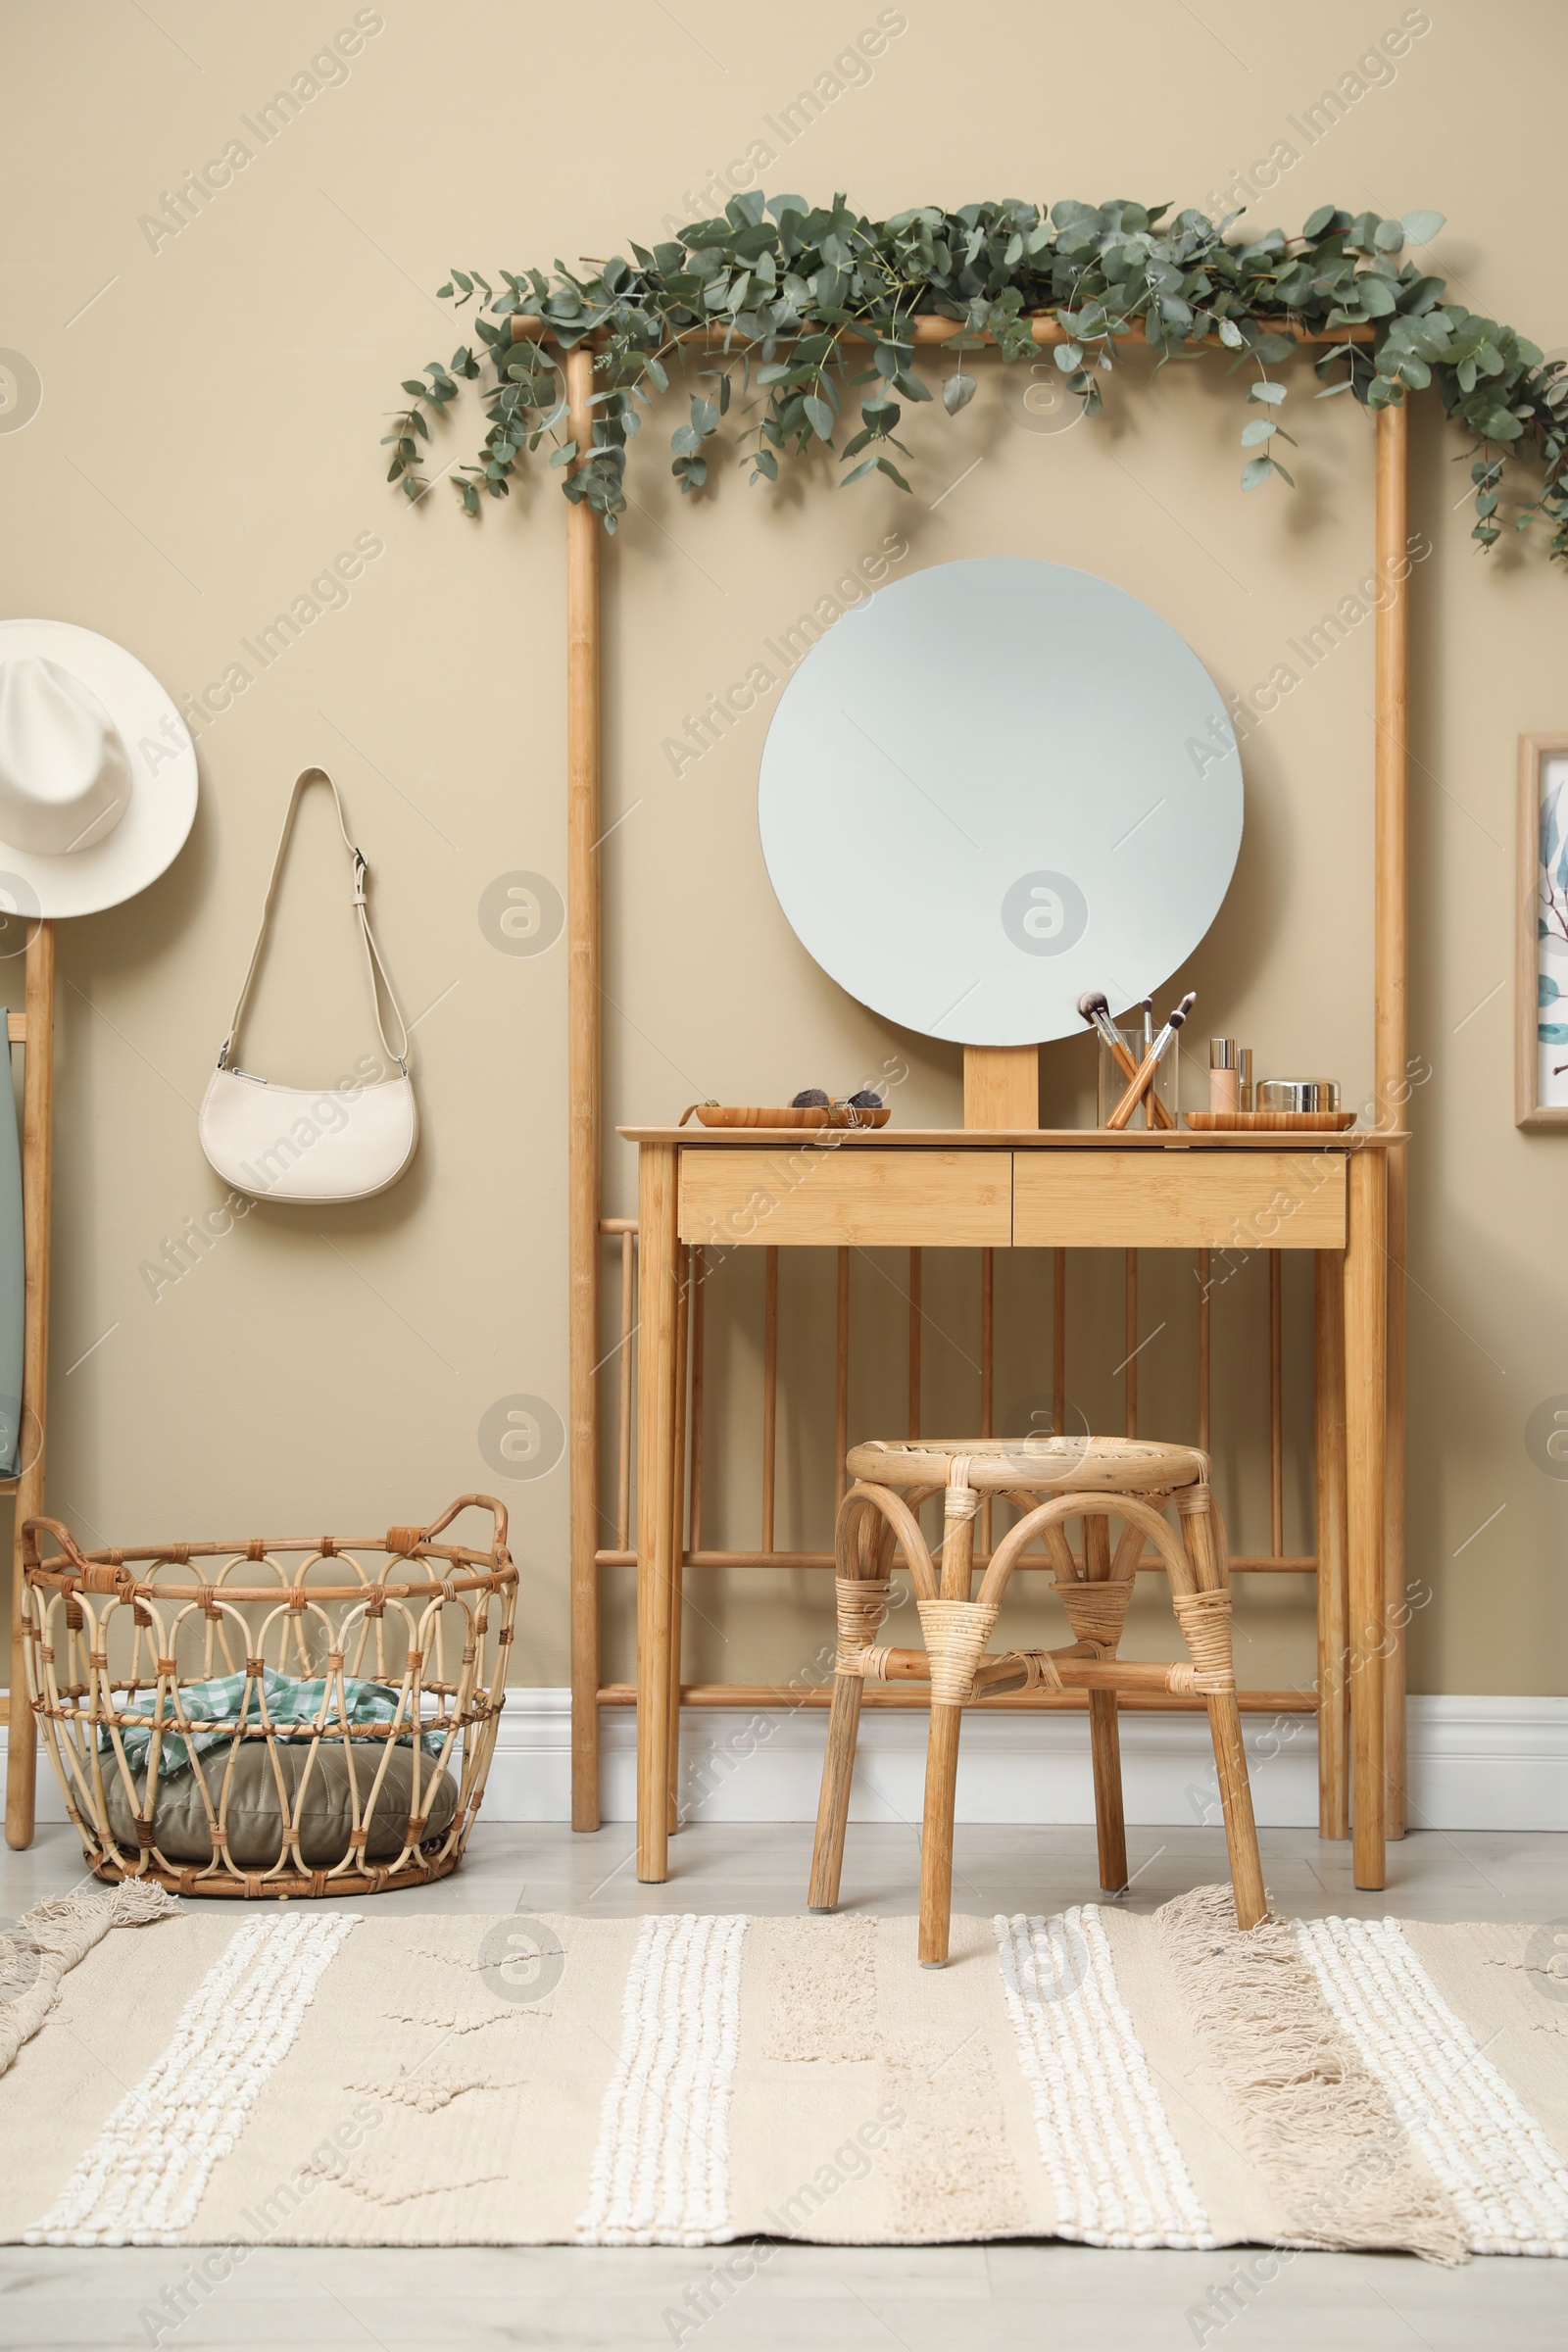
(1019, 1186)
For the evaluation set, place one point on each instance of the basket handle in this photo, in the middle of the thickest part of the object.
(62, 1535)
(406, 1540)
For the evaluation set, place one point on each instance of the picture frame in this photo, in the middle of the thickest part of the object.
(1540, 982)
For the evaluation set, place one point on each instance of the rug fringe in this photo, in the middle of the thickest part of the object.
(1313, 2118)
(54, 1936)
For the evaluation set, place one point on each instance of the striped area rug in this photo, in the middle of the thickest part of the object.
(303, 2075)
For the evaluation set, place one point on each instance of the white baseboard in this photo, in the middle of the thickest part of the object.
(1475, 1764)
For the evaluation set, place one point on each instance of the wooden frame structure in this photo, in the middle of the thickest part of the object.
(1001, 1092)
(1528, 1111)
(34, 1030)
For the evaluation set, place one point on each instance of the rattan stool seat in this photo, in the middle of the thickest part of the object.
(1032, 1465)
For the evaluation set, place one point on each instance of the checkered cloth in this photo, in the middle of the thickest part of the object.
(311, 1706)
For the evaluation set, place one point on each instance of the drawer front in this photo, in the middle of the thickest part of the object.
(916, 1199)
(1173, 1200)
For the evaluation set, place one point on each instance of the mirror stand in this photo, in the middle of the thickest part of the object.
(1001, 1086)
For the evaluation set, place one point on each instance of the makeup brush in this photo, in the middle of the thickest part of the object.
(1151, 1064)
(1095, 1008)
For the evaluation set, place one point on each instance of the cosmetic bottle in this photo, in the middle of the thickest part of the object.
(1223, 1077)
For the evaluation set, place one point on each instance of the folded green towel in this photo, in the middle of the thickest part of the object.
(290, 1702)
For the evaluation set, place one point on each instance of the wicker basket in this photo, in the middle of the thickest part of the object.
(115, 1640)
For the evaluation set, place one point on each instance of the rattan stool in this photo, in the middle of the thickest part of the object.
(1093, 1480)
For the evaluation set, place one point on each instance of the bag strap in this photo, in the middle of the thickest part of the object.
(375, 968)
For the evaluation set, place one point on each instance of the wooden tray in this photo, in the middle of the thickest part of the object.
(1308, 1122)
(832, 1114)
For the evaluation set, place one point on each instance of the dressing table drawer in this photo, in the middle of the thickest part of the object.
(857, 1197)
(1176, 1199)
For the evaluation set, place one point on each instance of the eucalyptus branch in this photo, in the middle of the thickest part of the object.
(786, 283)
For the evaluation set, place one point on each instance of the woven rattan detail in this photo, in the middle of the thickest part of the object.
(955, 1636)
(862, 1603)
(1097, 1611)
(1206, 1622)
(960, 1501)
(1040, 1669)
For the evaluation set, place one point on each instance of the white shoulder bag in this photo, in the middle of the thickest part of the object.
(326, 1142)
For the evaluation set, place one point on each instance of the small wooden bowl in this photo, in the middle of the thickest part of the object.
(830, 1114)
(1281, 1122)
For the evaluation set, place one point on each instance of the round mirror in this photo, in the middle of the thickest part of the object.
(993, 786)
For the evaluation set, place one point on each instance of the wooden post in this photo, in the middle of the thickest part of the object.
(1276, 1403)
(657, 1348)
(1365, 1448)
(841, 1384)
(915, 1336)
(1058, 1342)
(987, 1372)
(1393, 1037)
(583, 1083)
(677, 1532)
(769, 1391)
(38, 1151)
(1001, 1086)
(697, 1276)
(1129, 1394)
(1203, 1331)
(1333, 1691)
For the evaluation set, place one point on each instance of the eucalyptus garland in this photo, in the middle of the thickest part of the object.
(809, 315)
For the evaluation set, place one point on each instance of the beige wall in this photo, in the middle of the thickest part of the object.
(207, 445)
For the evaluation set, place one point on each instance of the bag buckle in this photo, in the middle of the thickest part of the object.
(361, 869)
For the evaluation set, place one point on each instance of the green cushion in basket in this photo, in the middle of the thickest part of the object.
(254, 1817)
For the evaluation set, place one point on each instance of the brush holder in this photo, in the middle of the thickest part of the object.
(1114, 1080)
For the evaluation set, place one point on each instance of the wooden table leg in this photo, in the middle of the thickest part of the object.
(1393, 1676)
(1333, 1691)
(1365, 1432)
(658, 1321)
(677, 1541)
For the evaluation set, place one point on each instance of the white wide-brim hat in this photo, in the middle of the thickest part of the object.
(97, 771)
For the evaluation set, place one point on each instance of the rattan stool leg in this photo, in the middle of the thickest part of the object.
(936, 1832)
(1236, 1799)
(1111, 1828)
(1203, 1541)
(1105, 1737)
(833, 1805)
(862, 1549)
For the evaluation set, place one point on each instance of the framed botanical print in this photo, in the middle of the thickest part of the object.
(1540, 998)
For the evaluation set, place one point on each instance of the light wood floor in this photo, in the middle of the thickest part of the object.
(1049, 2298)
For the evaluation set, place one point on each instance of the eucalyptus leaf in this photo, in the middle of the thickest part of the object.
(1422, 227)
(1255, 473)
(958, 392)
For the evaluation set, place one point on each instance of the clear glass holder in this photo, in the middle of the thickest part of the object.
(1114, 1080)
